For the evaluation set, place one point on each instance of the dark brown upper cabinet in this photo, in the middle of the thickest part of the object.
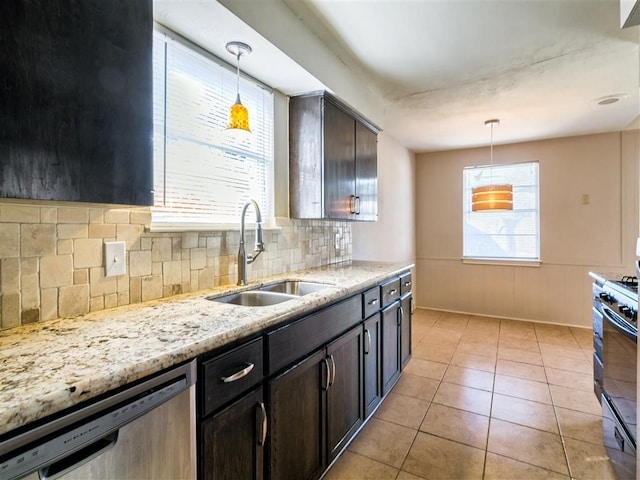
(332, 160)
(76, 89)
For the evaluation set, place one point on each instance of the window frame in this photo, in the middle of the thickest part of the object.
(466, 210)
(268, 214)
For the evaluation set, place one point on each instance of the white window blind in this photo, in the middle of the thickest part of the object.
(508, 234)
(202, 175)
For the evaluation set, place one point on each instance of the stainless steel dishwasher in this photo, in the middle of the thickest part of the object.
(146, 431)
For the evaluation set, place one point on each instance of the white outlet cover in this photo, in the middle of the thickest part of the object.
(114, 259)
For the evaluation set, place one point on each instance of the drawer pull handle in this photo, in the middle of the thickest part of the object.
(238, 375)
(393, 291)
(373, 302)
(407, 284)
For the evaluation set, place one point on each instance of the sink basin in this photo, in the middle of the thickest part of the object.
(293, 287)
(254, 298)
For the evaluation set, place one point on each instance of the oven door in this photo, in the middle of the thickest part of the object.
(620, 448)
(619, 367)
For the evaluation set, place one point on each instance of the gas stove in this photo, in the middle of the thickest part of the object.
(627, 286)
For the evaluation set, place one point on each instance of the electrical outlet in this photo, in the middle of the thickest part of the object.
(336, 243)
(114, 259)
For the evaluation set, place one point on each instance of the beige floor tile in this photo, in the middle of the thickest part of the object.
(588, 460)
(579, 365)
(457, 425)
(565, 378)
(435, 352)
(416, 386)
(351, 466)
(498, 467)
(584, 337)
(476, 348)
(426, 368)
(522, 388)
(470, 360)
(580, 426)
(406, 411)
(384, 441)
(408, 476)
(575, 399)
(437, 458)
(567, 340)
(573, 352)
(521, 330)
(442, 336)
(528, 445)
(463, 398)
(469, 377)
(521, 370)
(519, 344)
(524, 412)
(517, 355)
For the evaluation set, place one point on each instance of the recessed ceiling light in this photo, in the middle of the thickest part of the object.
(609, 99)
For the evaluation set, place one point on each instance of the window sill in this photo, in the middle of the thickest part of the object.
(505, 263)
(168, 227)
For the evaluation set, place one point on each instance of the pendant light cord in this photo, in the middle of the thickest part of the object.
(238, 79)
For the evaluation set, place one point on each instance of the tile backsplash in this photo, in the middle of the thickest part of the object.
(52, 265)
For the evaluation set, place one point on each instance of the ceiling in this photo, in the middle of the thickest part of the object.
(443, 67)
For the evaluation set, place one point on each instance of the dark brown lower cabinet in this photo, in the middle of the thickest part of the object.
(390, 346)
(371, 351)
(296, 421)
(345, 412)
(405, 329)
(233, 440)
(315, 408)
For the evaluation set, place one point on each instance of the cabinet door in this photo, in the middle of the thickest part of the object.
(76, 119)
(233, 441)
(390, 347)
(296, 421)
(371, 350)
(405, 330)
(366, 174)
(344, 396)
(339, 163)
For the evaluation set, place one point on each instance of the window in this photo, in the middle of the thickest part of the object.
(202, 176)
(503, 235)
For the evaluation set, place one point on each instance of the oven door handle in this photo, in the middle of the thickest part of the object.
(621, 327)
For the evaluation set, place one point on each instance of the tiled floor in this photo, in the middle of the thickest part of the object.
(485, 399)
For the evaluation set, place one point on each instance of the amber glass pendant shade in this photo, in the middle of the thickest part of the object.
(492, 197)
(238, 117)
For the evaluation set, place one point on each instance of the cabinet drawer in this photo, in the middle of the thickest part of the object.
(371, 302)
(405, 283)
(232, 373)
(390, 291)
(293, 341)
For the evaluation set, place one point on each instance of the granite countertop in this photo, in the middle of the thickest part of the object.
(53, 365)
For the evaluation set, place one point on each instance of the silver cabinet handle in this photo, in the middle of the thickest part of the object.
(328, 375)
(352, 204)
(357, 212)
(367, 345)
(407, 284)
(373, 302)
(393, 291)
(333, 370)
(239, 374)
(400, 316)
(263, 428)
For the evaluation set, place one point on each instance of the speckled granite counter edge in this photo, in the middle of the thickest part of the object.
(51, 366)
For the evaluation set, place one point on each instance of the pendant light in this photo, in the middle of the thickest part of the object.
(492, 197)
(238, 114)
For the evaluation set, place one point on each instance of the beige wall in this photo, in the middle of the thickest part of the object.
(392, 237)
(575, 238)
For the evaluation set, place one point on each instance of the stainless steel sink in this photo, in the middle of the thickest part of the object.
(254, 298)
(294, 287)
(270, 294)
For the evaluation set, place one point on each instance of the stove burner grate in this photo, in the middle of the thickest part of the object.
(629, 282)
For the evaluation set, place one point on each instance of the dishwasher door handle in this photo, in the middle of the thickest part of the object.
(80, 457)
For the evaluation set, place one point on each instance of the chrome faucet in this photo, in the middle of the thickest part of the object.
(243, 258)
